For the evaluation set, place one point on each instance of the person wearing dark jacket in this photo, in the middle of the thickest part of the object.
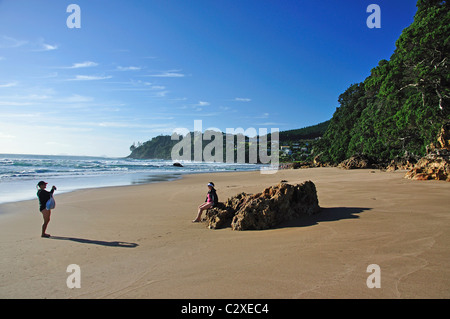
(211, 200)
(44, 196)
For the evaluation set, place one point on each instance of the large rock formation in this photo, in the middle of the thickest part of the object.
(436, 164)
(433, 166)
(265, 210)
(357, 161)
(406, 162)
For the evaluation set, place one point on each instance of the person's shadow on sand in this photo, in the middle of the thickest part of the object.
(325, 215)
(97, 242)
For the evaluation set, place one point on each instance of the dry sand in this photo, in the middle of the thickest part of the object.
(139, 242)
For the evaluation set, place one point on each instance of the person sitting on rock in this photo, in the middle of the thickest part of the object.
(211, 200)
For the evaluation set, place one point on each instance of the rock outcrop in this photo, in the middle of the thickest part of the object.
(436, 164)
(265, 210)
(318, 161)
(357, 161)
(406, 162)
(296, 165)
(444, 137)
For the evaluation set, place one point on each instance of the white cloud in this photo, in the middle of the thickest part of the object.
(41, 46)
(157, 87)
(128, 68)
(8, 85)
(270, 124)
(262, 116)
(168, 74)
(161, 93)
(35, 97)
(48, 47)
(5, 135)
(241, 99)
(75, 98)
(22, 116)
(14, 103)
(85, 64)
(57, 144)
(203, 103)
(8, 42)
(23, 100)
(131, 125)
(90, 78)
(48, 76)
(116, 124)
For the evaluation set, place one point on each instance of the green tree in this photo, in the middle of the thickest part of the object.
(404, 102)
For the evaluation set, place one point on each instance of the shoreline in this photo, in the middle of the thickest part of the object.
(138, 241)
(20, 173)
(122, 181)
(94, 188)
(112, 187)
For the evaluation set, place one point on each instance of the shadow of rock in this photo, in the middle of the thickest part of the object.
(97, 242)
(325, 215)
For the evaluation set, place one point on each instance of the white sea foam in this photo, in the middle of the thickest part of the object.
(19, 174)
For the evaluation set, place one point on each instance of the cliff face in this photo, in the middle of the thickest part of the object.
(267, 209)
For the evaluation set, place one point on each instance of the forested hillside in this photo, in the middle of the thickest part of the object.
(160, 147)
(404, 102)
(399, 108)
(306, 133)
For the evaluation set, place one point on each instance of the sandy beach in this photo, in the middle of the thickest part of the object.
(139, 241)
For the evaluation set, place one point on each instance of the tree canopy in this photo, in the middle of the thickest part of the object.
(404, 102)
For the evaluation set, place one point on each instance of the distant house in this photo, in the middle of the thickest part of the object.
(285, 150)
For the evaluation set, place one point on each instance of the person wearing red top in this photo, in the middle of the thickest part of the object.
(211, 200)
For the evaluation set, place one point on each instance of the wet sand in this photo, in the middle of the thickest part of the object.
(139, 241)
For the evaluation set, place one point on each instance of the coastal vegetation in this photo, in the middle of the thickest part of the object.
(404, 103)
(397, 111)
(300, 141)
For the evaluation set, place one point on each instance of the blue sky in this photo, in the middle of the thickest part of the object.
(140, 68)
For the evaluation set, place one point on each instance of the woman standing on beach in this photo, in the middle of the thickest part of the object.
(44, 197)
(211, 200)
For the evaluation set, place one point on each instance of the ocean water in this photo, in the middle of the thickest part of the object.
(19, 174)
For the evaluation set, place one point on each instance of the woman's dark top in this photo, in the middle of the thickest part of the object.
(43, 196)
(212, 197)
